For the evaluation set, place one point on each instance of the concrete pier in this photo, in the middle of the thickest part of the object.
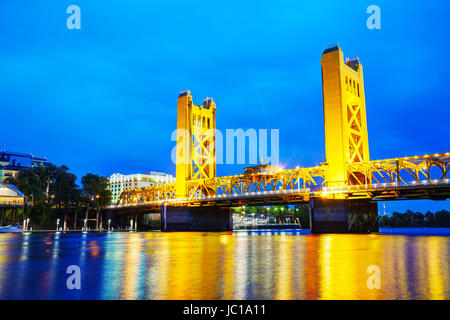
(196, 219)
(343, 216)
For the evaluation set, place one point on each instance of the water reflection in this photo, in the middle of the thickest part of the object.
(239, 265)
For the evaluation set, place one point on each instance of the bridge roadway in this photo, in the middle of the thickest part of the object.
(376, 192)
(407, 178)
(418, 177)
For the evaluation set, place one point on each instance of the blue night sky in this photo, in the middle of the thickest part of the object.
(103, 99)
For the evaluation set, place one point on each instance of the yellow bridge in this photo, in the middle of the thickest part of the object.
(341, 191)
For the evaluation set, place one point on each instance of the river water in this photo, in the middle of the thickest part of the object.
(272, 264)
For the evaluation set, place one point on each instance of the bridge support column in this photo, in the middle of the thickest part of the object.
(343, 216)
(196, 219)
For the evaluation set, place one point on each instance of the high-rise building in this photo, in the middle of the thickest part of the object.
(120, 182)
(12, 162)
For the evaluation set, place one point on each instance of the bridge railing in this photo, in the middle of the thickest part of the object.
(160, 192)
(299, 179)
(360, 187)
(414, 171)
(406, 171)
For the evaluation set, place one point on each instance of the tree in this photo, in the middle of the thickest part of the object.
(280, 212)
(237, 209)
(429, 219)
(29, 183)
(418, 219)
(384, 221)
(96, 190)
(64, 190)
(52, 188)
(442, 218)
(301, 212)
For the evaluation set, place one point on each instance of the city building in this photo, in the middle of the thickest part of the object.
(119, 182)
(12, 162)
(10, 195)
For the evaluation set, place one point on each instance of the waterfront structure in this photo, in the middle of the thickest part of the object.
(120, 182)
(196, 158)
(12, 162)
(10, 196)
(342, 191)
(11, 203)
(344, 108)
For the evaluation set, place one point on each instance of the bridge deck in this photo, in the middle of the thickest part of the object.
(417, 177)
(375, 192)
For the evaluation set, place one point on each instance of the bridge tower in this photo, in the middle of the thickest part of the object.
(195, 150)
(346, 142)
(344, 107)
(195, 160)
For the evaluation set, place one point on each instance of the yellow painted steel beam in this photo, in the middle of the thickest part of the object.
(195, 150)
(346, 137)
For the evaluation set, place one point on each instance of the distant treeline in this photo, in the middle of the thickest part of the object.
(416, 219)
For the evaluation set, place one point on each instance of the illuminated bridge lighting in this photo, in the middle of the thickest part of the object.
(347, 173)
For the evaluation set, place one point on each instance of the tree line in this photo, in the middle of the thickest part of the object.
(53, 191)
(416, 219)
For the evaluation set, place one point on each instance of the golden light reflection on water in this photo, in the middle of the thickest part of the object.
(224, 266)
(438, 269)
(343, 261)
(131, 265)
(238, 265)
